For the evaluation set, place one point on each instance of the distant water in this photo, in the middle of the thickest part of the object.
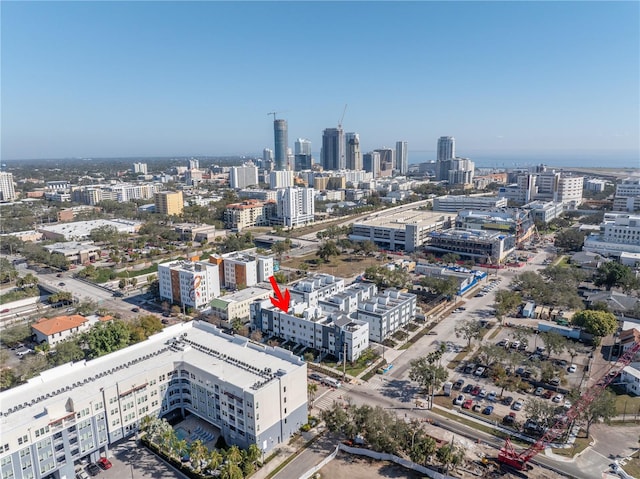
(571, 160)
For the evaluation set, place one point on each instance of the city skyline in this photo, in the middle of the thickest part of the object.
(180, 79)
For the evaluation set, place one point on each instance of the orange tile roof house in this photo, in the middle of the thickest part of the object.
(61, 328)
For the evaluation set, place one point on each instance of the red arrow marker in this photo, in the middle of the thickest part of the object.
(280, 301)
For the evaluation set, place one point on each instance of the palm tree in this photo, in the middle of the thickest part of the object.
(312, 388)
(253, 453)
(214, 460)
(231, 471)
(198, 453)
(234, 455)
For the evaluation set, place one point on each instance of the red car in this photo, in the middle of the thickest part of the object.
(104, 463)
(475, 391)
(467, 404)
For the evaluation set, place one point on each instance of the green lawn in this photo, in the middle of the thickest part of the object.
(629, 405)
(580, 444)
(632, 467)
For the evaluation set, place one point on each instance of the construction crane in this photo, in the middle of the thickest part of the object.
(274, 113)
(342, 117)
(509, 456)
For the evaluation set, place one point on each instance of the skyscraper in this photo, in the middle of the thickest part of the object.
(371, 163)
(303, 160)
(332, 153)
(446, 154)
(446, 148)
(281, 141)
(353, 153)
(402, 157)
(386, 161)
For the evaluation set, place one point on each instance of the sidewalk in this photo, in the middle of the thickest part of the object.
(288, 450)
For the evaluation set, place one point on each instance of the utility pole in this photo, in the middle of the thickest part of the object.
(344, 360)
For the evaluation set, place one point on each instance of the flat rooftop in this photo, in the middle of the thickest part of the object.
(244, 294)
(398, 219)
(231, 358)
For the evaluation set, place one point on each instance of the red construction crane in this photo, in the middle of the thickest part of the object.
(508, 455)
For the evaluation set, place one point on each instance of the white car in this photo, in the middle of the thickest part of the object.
(558, 398)
(458, 401)
(479, 371)
(572, 369)
(517, 405)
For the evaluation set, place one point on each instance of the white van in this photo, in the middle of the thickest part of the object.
(334, 383)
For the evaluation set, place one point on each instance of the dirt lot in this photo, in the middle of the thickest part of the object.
(345, 466)
(344, 266)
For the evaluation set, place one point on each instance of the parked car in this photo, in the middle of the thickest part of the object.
(517, 405)
(467, 389)
(509, 418)
(135, 310)
(104, 463)
(488, 410)
(476, 408)
(82, 475)
(5, 310)
(558, 398)
(316, 376)
(492, 396)
(482, 394)
(458, 401)
(458, 384)
(476, 390)
(573, 368)
(538, 391)
(469, 368)
(467, 404)
(479, 371)
(93, 469)
(555, 382)
(547, 394)
(61, 284)
(507, 401)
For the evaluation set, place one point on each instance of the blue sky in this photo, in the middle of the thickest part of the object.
(101, 79)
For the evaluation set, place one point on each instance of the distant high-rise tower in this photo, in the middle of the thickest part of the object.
(7, 190)
(303, 160)
(446, 154)
(402, 157)
(281, 140)
(386, 160)
(194, 164)
(446, 148)
(371, 163)
(140, 168)
(332, 153)
(353, 153)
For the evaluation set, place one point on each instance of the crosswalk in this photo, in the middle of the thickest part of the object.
(325, 401)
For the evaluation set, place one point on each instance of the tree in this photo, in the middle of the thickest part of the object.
(230, 470)
(450, 258)
(450, 455)
(469, 330)
(312, 389)
(214, 460)
(489, 354)
(67, 351)
(7, 271)
(570, 239)
(328, 249)
(198, 453)
(522, 335)
(233, 455)
(612, 274)
(447, 286)
(104, 338)
(554, 342)
(540, 411)
(598, 323)
(428, 375)
(506, 302)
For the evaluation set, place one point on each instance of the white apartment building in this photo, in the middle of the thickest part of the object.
(242, 270)
(627, 195)
(619, 233)
(189, 283)
(387, 312)
(544, 211)
(243, 176)
(140, 168)
(545, 186)
(313, 289)
(296, 206)
(7, 188)
(595, 184)
(238, 216)
(280, 179)
(254, 394)
(336, 334)
(258, 194)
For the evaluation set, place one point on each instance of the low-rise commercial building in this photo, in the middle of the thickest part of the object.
(76, 252)
(254, 394)
(60, 328)
(236, 306)
(481, 246)
(81, 230)
(402, 230)
(544, 211)
(464, 277)
(513, 221)
(454, 204)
